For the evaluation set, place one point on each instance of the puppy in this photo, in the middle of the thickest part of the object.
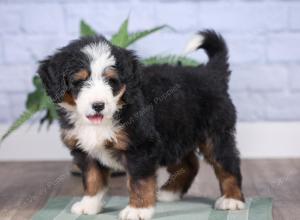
(116, 114)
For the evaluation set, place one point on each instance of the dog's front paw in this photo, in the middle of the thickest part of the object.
(224, 203)
(130, 213)
(88, 205)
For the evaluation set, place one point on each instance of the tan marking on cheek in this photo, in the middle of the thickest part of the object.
(121, 92)
(142, 192)
(70, 142)
(119, 96)
(96, 179)
(81, 75)
(112, 73)
(69, 99)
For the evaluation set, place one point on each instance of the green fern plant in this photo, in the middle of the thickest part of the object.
(170, 59)
(38, 101)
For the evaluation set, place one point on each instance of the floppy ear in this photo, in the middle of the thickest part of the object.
(128, 63)
(128, 67)
(53, 77)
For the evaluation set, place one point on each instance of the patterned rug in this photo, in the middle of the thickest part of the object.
(188, 208)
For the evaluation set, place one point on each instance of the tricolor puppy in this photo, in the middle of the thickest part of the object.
(116, 114)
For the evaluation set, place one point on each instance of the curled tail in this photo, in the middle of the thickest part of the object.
(215, 47)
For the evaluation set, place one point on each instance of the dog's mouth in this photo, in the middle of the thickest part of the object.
(95, 118)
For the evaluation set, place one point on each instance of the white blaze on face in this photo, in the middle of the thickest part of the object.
(96, 88)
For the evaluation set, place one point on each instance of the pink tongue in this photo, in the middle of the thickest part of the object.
(95, 118)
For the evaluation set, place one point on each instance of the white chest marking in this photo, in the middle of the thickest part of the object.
(91, 139)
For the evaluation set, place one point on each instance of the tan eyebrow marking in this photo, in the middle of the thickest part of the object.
(81, 75)
(110, 73)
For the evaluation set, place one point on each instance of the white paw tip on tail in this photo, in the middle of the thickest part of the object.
(168, 196)
(224, 203)
(130, 213)
(193, 44)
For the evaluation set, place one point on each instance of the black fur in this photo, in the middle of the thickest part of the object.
(169, 110)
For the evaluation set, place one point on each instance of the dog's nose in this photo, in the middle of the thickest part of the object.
(98, 106)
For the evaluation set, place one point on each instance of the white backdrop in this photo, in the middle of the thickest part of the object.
(255, 140)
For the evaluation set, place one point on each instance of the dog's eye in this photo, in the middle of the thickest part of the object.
(113, 82)
(77, 82)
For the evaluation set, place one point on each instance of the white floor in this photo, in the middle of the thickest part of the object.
(255, 140)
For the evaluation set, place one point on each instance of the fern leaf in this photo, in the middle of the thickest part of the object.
(24, 117)
(121, 37)
(86, 30)
(170, 59)
(141, 34)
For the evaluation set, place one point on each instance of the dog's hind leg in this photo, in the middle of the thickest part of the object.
(222, 154)
(180, 180)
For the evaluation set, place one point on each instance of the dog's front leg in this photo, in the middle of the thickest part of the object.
(95, 182)
(142, 198)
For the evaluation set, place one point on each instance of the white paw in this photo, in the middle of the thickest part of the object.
(130, 213)
(85, 208)
(89, 205)
(168, 196)
(229, 204)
